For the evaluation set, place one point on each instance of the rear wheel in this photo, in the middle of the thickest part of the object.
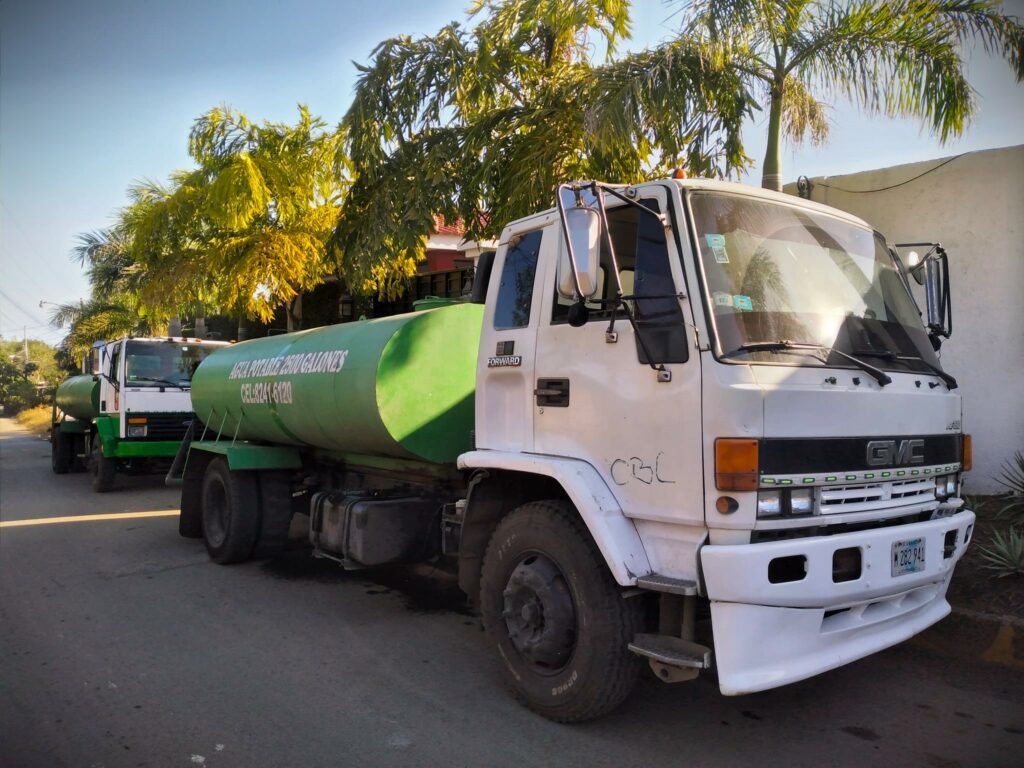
(275, 513)
(231, 520)
(557, 617)
(103, 469)
(62, 454)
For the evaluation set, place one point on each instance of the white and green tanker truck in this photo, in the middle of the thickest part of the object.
(686, 422)
(129, 410)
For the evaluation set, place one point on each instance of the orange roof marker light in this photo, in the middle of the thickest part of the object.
(678, 173)
(736, 464)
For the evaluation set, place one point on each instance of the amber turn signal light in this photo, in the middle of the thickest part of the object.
(968, 457)
(735, 464)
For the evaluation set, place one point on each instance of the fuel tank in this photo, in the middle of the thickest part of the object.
(79, 396)
(398, 386)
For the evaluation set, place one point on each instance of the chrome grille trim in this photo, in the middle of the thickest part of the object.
(871, 497)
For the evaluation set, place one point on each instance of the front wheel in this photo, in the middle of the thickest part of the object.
(556, 615)
(103, 469)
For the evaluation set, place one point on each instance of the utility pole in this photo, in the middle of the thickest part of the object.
(24, 331)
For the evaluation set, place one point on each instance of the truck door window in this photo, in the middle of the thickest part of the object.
(642, 253)
(115, 359)
(515, 292)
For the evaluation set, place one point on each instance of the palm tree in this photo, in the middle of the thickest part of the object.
(491, 118)
(247, 229)
(897, 58)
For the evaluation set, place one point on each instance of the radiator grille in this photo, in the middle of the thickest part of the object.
(874, 496)
(164, 426)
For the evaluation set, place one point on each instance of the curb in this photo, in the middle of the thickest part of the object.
(974, 636)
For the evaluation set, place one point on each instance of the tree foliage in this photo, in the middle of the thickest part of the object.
(900, 58)
(247, 230)
(23, 382)
(479, 124)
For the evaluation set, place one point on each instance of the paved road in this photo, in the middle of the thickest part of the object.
(122, 645)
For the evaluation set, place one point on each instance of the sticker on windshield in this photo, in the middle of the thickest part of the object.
(722, 299)
(743, 302)
(717, 245)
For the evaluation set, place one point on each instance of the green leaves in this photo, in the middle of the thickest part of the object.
(901, 58)
(480, 124)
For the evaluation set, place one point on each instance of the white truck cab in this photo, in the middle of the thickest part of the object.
(138, 410)
(736, 391)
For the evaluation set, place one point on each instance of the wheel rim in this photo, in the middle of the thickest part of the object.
(539, 614)
(215, 514)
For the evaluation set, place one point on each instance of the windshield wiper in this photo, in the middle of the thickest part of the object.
(886, 354)
(161, 381)
(784, 345)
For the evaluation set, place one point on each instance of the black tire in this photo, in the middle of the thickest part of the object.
(62, 452)
(540, 557)
(275, 513)
(103, 469)
(231, 517)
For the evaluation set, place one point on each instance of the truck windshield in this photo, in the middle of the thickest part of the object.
(781, 273)
(162, 363)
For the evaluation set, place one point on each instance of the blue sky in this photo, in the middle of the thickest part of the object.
(97, 94)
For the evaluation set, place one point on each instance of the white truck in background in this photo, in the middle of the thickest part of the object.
(128, 410)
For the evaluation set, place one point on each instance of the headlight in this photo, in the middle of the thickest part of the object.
(136, 431)
(769, 504)
(945, 487)
(788, 502)
(801, 501)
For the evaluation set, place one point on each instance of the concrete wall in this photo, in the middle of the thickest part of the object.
(974, 206)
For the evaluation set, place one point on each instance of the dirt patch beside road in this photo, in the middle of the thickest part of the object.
(35, 420)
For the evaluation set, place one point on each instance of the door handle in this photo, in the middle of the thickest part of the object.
(552, 393)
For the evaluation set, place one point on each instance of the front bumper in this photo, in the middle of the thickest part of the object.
(767, 635)
(126, 448)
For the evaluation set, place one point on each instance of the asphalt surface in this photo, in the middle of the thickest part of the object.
(122, 645)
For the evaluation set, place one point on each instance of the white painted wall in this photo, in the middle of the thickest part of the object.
(974, 206)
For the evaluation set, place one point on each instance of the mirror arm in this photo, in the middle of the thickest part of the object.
(597, 192)
(657, 367)
(661, 217)
(946, 299)
(598, 189)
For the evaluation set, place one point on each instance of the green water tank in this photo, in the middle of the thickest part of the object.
(79, 396)
(399, 386)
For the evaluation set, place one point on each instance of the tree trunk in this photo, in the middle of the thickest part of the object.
(771, 171)
(293, 309)
(243, 327)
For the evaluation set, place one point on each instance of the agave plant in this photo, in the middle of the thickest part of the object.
(1012, 478)
(1005, 553)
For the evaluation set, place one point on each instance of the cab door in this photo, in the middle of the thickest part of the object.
(641, 432)
(507, 358)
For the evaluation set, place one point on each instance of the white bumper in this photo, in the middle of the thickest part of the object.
(767, 635)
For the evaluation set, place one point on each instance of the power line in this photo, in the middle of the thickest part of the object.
(28, 241)
(21, 309)
(891, 186)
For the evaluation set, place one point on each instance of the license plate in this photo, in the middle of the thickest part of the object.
(907, 557)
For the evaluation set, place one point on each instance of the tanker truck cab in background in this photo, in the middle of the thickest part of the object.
(129, 411)
(710, 431)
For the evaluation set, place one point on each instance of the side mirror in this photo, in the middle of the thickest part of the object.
(915, 266)
(932, 271)
(579, 254)
(936, 293)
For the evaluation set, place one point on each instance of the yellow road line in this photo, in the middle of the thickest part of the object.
(89, 518)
